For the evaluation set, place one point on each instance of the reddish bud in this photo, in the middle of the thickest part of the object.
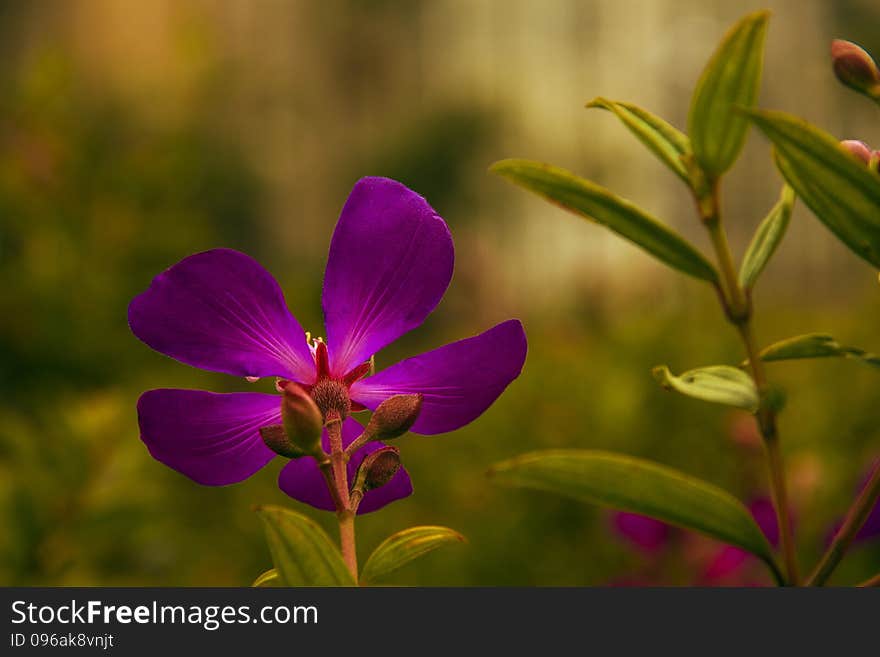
(855, 68)
(395, 416)
(377, 469)
(858, 148)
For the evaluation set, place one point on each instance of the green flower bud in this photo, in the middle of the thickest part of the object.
(301, 419)
(394, 417)
(855, 68)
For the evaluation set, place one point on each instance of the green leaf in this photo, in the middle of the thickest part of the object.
(768, 236)
(597, 204)
(302, 553)
(730, 80)
(840, 190)
(402, 547)
(718, 383)
(666, 142)
(816, 345)
(638, 486)
(268, 579)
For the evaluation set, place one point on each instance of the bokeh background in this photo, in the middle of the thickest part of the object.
(136, 133)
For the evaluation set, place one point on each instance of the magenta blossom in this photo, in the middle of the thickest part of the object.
(390, 262)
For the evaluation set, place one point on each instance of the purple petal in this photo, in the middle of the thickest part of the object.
(764, 514)
(302, 480)
(728, 561)
(647, 534)
(220, 310)
(211, 438)
(458, 381)
(390, 262)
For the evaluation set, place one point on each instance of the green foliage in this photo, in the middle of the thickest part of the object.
(399, 549)
(638, 486)
(766, 239)
(668, 143)
(840, 190)
(816, 345)
(730, 80)
(302, 552)
(721, 384)
(597, 204)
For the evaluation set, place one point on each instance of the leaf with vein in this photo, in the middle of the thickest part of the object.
(668, 143)
(597, 204)
(638, 486)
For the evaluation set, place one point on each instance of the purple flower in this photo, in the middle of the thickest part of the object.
(646, 534)
(390, 262)
(729, 560)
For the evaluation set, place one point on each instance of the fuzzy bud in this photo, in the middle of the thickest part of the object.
(855, 68)
(395, 416)
(301, 419)
(276, 439)
(377, 469)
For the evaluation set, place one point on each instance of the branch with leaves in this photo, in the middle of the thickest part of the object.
(844, 193)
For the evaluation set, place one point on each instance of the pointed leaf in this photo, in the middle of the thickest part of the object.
(730, 80)
(302, 553)
(638, 486)
(840, 190)
(268, 579)
(718, 383)
(666, 142)
(596, 203)
(402, 547)
(768, 236)
(816, 345)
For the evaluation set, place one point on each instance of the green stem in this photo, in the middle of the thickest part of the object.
(737, 306)
(855, 518)
(780, 502)
(338, 483)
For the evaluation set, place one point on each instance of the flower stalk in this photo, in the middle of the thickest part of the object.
(855, 519)
(738, 309)
(338, 484)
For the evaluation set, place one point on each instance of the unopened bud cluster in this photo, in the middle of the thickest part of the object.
(303, 418)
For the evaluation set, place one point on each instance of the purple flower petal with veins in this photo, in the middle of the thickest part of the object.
(390, 261)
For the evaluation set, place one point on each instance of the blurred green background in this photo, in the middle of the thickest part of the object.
(134, 134)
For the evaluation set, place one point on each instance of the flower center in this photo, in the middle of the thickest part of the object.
(331, 397)
(331, 393)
